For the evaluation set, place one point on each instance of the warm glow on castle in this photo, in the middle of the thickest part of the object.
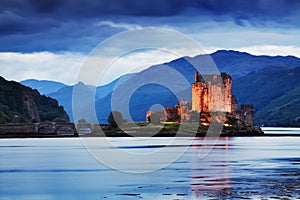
(210, 93)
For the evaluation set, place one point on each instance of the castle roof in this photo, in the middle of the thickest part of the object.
(213, 78)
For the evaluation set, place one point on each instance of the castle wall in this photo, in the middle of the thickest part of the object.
(228, 95)
(171, 113)
(247, 114)
(199, 96)
(216, 97)
(184, 111)
(234, 105)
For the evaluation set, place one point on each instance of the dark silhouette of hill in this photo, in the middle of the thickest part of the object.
(19, 103)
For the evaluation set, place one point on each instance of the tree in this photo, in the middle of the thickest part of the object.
(3, 119)
(115, 119)
(58, 119)
(82, 121)
(156, 117)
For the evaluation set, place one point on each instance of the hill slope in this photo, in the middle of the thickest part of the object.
(282, 111)
(275, 93)
(27, 104)
(239, 64)
(265, 85)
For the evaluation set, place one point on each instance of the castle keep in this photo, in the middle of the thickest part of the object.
(210, 93)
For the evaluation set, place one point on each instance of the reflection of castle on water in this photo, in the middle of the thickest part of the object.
(211, 174)
(210, 93)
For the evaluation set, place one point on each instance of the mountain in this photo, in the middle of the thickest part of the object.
(235, 63)
(239, 64)
(160, 85)
(19, 103)
(135, 106)
(250, 82)
(43, 86)
(65, 96)
(84, 93)
(275, 93)
(282, 111)
(103, 90)
(262, 86)
(256, 79)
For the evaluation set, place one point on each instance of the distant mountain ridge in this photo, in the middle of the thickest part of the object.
(254, 81)
(43, 86)
(239, 64)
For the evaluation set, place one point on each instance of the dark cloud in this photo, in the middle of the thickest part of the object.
(52, 20)
(73, 9)
(46, 6)
(94, 8)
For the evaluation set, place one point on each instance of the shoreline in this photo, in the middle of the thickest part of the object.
(172, 132)
(164, 135)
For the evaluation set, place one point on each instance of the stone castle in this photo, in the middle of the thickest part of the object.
(210, 93)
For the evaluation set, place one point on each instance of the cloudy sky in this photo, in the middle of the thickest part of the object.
(50, 39)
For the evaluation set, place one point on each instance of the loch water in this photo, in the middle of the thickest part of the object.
(151, 168)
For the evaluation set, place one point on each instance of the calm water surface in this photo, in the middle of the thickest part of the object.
(227, 168)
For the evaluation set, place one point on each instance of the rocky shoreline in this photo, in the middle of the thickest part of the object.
(173, 132)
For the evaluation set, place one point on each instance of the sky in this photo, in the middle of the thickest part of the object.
(51, 39)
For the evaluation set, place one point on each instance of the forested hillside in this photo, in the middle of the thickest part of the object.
(22, 104)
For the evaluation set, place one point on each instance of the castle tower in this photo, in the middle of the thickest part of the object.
(199, 94)
(227, 80)
(213, 94)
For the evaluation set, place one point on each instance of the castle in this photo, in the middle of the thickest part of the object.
(210, 93)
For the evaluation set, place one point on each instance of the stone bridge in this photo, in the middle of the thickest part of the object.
(47, 129)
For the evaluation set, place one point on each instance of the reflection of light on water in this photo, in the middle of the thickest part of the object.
(211, 175)
(226, 144)
(281, 130)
